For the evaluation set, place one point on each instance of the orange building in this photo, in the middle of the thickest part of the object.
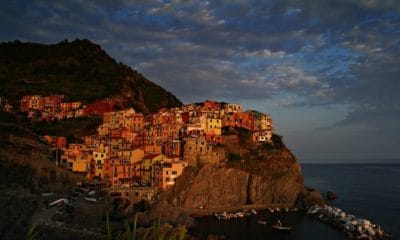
(247, 120)
(239, 119)
(135, 121)
(212, 138)
(58, 142)
(211, 104)
(153, 149)
(52, 103)
(115, 133)
(69, 106)
(31, 102)
(118, 171)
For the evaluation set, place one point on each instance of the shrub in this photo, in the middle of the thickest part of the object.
(234, 157)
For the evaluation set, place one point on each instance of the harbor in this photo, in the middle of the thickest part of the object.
(260, 226)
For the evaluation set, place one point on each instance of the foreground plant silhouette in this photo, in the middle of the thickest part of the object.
(33, 231)
(130, 232)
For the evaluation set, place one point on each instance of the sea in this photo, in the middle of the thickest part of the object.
(369, 191)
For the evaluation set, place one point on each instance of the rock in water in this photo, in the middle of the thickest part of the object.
(330, 195)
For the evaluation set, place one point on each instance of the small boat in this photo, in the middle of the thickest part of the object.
(59, 201)
(90, 199)
(49, 194)
(262, 222)
(281, 228)
(239, 214)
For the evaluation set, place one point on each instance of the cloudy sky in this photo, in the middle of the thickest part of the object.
(327, 71)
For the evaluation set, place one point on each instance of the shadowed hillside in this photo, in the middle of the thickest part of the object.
(80, 70)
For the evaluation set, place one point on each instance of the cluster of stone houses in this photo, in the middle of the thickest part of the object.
(52, 107)
(132, 148)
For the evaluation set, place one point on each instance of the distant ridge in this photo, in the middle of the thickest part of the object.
(80, 70)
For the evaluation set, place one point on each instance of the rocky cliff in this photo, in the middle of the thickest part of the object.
(259, 176)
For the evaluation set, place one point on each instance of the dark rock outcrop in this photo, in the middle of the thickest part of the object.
(330, 195)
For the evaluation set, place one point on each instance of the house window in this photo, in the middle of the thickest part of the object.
(174, 172)
(167, 179)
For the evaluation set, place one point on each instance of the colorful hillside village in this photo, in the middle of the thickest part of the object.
(53, 107)
(133, 149)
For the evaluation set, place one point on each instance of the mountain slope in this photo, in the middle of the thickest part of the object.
(80, 70)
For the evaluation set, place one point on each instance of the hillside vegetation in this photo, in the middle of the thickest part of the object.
(80, 70)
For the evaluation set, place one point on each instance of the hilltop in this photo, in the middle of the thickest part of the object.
(80, 70)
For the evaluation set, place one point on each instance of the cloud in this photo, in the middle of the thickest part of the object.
(264, 53)
(299, 53)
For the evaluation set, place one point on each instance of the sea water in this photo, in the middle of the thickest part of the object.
(370, 191)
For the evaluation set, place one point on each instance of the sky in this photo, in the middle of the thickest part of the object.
(327, 71)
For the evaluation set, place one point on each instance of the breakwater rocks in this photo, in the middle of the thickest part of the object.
(353, 227)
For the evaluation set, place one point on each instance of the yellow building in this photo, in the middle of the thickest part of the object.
(78, 163)
(147, 167)
(214, 125)
(81, 165)
(166, 173)
(99, 155)
(132, 155)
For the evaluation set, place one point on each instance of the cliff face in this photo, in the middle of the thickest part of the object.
(215, 187)
(260, 176)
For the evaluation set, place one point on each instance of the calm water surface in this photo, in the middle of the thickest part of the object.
(370, 191)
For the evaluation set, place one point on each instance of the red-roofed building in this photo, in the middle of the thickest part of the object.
(101, 106)
(211, 104)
